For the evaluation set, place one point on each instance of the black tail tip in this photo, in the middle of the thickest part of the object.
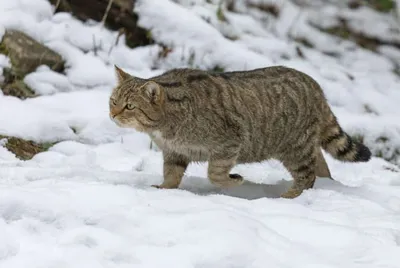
(363, 153)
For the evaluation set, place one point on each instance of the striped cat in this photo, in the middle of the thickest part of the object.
(231, 118)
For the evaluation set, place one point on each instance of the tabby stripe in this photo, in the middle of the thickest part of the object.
(347, 149)
(309, 165)
(333, 138)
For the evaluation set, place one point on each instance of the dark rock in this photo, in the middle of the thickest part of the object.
(120, 17)
(26, 54)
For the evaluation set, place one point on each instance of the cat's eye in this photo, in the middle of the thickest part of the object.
(130, 106)
(113, 101)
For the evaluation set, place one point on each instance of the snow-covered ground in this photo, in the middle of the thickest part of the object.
(87, 202)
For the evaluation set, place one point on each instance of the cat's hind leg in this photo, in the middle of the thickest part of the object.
(302, 166)
(219, 166)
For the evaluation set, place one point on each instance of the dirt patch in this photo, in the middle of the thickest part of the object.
(378, 5)
(344, 32)
(266, 7)
(23, 149)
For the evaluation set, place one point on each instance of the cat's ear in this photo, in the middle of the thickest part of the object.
(154, 92)
(121, 75)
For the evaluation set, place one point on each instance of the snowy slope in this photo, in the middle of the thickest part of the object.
(87, 202)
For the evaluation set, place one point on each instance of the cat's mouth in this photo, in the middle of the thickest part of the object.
(124, 123)
(117, 120)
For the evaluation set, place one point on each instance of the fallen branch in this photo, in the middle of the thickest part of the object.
(103, 20)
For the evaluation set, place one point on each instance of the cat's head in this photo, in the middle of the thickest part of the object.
(136, 103)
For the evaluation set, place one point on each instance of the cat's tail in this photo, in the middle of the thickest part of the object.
(340, 145)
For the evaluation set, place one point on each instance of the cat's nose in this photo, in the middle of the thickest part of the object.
(113, 114)
(114, 111)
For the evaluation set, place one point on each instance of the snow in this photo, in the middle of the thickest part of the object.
(106, 217)
(87, 201)
(45, 81)
(180, 29)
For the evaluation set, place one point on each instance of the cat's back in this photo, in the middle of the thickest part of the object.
(270, 76)
(191, 75)
(187, 78)
(255, 85)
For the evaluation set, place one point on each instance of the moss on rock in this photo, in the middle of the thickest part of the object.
(18, 89)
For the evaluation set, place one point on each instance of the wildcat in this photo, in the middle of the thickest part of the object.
(237, 117)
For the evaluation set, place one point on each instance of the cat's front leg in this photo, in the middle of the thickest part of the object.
(219, 166)
(174, 168)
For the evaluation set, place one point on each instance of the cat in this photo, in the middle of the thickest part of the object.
(231, 118)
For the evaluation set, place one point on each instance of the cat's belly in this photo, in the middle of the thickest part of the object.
(197, 153)
(192, 152)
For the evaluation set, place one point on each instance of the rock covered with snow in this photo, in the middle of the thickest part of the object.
(26, 54)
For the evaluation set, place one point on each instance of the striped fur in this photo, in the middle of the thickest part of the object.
(341, 146)
(235, 117)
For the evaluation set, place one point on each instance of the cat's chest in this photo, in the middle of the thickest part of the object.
(193, 152)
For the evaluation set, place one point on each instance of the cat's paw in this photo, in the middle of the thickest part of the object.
(291, 193)
(162, 186)
(234, 180)
(235, 176)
